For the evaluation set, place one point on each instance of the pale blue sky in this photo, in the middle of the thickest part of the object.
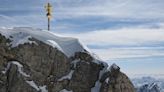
(127, 32)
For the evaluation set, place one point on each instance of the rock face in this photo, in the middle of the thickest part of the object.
(116, 81)
(41, 67)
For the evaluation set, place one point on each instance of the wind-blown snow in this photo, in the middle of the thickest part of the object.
(21, 35)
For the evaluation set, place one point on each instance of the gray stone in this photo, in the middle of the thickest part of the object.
(117, 82)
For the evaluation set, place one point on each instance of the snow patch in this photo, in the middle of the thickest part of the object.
(97, 87)
(64, 90)
(69, 76)
(114, 66)
(16, 38)
(38, 88)
(43, 88)
(20, 38)
(20, 67)
(75, 62)
(98, 84)
(7, 68)
(32, 84)
(107, 80)
(3, 72)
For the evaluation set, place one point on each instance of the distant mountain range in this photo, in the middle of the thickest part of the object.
(148, 84)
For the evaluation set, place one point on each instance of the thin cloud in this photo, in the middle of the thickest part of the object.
(125, 53)
(125, 36)
(109, 9)
(129, 42)
(140, 9)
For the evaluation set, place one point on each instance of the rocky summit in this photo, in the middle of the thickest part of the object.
(34, 60)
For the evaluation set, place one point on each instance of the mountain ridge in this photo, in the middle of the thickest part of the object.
(146, 84)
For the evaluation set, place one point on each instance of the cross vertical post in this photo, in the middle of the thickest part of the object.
(49, 15)
(48, 24)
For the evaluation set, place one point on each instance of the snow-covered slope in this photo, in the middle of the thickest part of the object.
(21, 35)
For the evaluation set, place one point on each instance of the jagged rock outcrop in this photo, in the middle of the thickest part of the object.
(116, 81)
(30, 62)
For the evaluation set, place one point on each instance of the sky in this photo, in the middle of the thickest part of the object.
(129, 33)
